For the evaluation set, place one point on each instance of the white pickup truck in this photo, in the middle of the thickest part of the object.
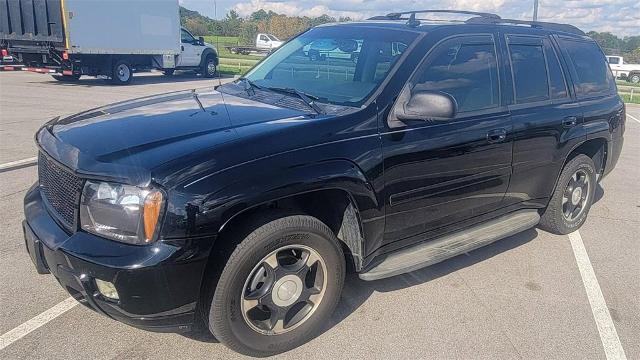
(620, 69)
(264, 44)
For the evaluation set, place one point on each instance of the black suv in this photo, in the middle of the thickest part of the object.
(383, 146)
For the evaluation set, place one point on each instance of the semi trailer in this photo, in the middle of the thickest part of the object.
(111, 39)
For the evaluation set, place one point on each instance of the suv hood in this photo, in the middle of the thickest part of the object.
(125, 141)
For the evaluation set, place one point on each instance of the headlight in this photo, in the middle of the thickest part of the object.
(120, 212)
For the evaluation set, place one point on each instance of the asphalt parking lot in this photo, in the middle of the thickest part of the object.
(524, 297)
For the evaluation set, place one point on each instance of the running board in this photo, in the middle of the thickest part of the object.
(434, 251)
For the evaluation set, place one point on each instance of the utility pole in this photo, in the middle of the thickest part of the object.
(535, 10)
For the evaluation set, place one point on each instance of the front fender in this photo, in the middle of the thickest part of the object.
(196, 211)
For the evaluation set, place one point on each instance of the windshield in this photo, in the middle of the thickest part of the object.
(273, 38)
(339, 65)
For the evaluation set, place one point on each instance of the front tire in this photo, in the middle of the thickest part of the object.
(277, 288)
(572, 198)
(209, 67)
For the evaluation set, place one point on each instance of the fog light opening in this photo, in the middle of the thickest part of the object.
(107, 289)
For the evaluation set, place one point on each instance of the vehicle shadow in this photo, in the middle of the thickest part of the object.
(356, 292)
(140, 80)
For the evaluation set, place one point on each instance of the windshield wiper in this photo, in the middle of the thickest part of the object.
(307, 98)
(250, 86)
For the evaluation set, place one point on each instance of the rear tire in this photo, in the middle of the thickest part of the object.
(168, 72)
(122, 73)
(634, 78)
(66, 78)
(273, 264)
(572, 198)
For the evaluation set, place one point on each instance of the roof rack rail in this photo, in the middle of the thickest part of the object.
(412, 21)
(534, 24)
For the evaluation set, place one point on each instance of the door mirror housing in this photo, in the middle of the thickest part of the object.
(201, 41)
(428, 105)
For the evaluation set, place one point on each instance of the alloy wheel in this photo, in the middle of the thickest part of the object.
(211, 68)
(123, 72)
(576, 195)
(284, 289)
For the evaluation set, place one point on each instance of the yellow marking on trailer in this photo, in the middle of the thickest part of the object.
(64, 25)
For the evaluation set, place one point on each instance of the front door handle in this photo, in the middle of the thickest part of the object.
(570, 121)
(496, 136)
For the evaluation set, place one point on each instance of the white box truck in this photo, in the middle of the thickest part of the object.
(105, 38)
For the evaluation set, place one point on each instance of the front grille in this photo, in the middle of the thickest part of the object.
(61, 190)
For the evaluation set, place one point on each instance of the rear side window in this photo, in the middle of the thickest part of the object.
(529, 72)
(465, 69)
(556, 75)
(590, 69)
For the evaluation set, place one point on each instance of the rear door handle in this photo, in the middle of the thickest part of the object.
(570, 121)
(496, 136)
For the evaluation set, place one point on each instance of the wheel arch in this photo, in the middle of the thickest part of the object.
(595, 147)
(334, 206)
(209, 51)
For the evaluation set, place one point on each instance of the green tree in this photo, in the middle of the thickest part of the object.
(629, 47)
(249, 32)
(323, 19)
(259, 15)
(232, 24)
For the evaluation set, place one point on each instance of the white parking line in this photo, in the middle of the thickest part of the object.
(608, 334)
(638, 121)
(24, 329)
(17, 163)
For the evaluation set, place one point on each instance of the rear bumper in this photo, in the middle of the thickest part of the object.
(615, 149)
(158, 285)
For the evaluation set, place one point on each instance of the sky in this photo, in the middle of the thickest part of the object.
(621, 17)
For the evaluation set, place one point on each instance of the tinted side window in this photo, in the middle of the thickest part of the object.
(591, 68)
(529, 73)
(614, 60)
(556, 75)
(467, 71)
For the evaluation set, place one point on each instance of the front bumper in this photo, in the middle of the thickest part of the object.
(158, 284)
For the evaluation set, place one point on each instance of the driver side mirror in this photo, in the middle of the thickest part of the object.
(201, 41)
(428, 105)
